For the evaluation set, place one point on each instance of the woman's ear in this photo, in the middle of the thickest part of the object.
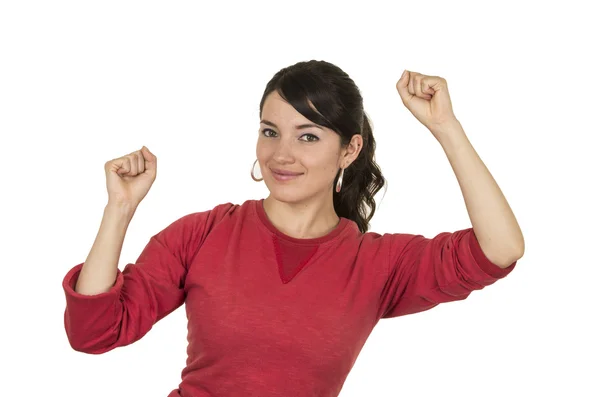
(353, 149)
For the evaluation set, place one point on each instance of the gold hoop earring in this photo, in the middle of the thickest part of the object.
(252, 172)
(338, 185)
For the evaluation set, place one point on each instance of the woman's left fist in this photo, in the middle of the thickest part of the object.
(427, 98)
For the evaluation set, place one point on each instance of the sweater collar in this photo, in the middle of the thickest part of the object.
(262, 215)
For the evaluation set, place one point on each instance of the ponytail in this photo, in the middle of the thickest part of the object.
(362, 180)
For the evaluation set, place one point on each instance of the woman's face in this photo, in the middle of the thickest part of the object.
(290, 143)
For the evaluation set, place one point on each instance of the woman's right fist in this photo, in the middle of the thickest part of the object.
(129, 178)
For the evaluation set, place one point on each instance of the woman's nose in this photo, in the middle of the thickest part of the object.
(283, 152)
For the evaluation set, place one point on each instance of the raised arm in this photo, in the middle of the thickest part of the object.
(424, 272)
(99, 271)
(101, 315)
(494, 223)
(144, 293)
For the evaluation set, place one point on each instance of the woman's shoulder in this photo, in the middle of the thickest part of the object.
(221, 210)
(203, 221)
(382, 242)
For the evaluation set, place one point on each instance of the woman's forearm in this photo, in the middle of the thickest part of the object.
(99, 270)
(493, 221)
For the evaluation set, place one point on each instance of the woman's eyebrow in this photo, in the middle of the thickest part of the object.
(298, 127)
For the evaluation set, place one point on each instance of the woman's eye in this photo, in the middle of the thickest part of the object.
(311, 138)
(266, 131)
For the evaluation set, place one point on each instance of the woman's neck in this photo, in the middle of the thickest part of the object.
(311, 219)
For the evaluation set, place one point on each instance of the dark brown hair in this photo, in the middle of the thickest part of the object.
(340, 108)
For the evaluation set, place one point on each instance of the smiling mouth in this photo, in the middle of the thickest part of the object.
(285, 176)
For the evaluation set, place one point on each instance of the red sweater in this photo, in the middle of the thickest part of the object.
(272, 315)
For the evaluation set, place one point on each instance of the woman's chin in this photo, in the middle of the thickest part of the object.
(287, 194)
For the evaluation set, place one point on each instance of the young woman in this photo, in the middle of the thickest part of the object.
(281, 293)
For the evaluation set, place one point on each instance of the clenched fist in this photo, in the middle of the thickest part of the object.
(129, 178)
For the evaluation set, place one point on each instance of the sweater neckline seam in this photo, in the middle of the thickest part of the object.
(332, 236)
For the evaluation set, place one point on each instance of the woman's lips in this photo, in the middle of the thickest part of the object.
(281, 175)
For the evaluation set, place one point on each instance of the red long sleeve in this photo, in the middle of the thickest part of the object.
(144, 293)
(425, 272)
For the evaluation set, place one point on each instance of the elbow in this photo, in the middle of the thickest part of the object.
(80, 346)
(517, 252)
(84, 346)
(83, 343)
(508, 257)
(504, 258)
(521, 249)
(505, 255)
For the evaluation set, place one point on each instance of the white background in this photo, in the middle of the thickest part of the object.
(85, 82)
